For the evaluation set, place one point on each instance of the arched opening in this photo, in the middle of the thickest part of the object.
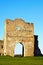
(19, 49)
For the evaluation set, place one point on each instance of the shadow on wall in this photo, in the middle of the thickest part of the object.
(37, 51)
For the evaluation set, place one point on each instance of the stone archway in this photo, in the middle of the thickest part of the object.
(18, 31)
(19, 49)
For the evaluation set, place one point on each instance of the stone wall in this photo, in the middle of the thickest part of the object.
(18, 31)
(1, 47)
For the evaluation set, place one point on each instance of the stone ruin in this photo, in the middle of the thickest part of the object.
(18, 31)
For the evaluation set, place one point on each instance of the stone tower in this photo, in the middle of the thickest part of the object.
(18, 31)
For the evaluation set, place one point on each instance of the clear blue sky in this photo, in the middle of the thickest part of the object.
(29, 10)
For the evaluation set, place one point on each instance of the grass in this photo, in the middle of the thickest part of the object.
(7, 60)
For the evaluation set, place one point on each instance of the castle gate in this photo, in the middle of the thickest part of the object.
(18, 31)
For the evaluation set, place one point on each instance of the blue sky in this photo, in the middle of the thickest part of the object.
(28, 10)
(18, 49)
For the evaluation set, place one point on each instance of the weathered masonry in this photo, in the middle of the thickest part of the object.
(1, 47)
(18, 31)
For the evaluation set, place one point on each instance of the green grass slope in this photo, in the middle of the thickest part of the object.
(6, 60)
